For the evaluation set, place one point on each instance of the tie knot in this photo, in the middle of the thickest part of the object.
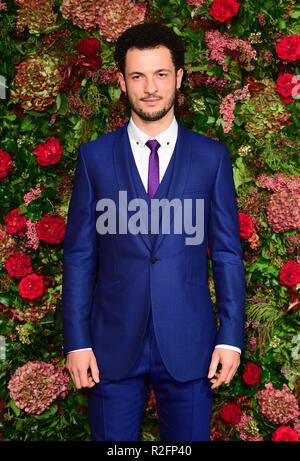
(153, 144)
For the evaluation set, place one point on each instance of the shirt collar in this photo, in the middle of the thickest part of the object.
(166, 138)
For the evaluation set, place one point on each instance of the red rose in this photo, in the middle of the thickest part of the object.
(18, 265)
(48, 153)
(6, 163)
(32, 286)
(285, 433)
(288, 48)
(284, 87)
(15, 223)
(290, 274)
(222, 10)
(88, 46)
(231, 413)
(251, 375)
(245, 225)
(51, 229)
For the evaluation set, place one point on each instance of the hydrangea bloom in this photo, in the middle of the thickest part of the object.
(278, 406)
(37, 82)
(34, 386)
(112, 18)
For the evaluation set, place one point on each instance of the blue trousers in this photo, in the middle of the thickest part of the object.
(116, 407)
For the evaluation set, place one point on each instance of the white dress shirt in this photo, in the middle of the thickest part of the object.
(167, 140)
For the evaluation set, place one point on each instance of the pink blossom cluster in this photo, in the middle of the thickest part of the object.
(261, 19)
(31, 195)
(196, 3)
(76, 106)
(248, 429)
(33, 240)
(279, 182)
(278, 406)
(34, 386)
(3, 6)
(228, 103)
(218, 43)
(266, 55)
(292, 240)
(106, 74)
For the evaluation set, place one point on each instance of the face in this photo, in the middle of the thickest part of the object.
(150, 82)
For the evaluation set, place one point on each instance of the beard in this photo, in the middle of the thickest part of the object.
(153, 116)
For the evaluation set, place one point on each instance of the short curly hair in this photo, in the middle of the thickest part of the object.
(149, 35)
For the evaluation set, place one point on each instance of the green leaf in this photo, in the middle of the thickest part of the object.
(281, 24)
(6, 299)
(295, 12)
(58, 102)
(27, 124)
(14, 408)
(64, 107)
(210, 120)
(114, 93)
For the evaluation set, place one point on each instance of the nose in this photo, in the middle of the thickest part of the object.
(150, 86)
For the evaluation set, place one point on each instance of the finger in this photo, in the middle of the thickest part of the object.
(94, 370)
(76, 379)
(221, 378)
(91, 382)
(83, 378)
(230, 375)
(213, 366)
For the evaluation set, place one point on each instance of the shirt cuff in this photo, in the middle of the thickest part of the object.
(225, 346)
(86, 349)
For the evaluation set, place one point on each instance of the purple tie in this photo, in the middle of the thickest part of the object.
(153, 172)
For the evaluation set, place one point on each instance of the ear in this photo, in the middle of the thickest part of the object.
(122, 81)
(179, 78)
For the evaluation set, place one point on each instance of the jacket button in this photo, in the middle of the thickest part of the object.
(153, 260)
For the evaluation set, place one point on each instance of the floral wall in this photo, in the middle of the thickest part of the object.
(59, 89)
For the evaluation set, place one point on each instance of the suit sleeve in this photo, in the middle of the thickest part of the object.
(226, 253)
(79, 261)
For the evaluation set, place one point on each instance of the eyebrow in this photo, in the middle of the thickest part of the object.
(141, 73)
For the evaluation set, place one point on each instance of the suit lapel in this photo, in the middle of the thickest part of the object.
(171, 186)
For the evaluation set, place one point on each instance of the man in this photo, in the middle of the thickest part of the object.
(151, 319)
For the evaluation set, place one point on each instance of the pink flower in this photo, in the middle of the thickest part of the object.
(278, 406)
(248, 429)
(34, 386)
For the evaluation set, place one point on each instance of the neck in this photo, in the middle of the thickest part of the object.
(153, 128)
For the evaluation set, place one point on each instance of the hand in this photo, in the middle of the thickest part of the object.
(230, 361)
(78, 365)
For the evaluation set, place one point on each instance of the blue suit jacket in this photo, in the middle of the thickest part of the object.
(111, 281)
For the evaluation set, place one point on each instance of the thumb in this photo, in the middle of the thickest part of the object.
(94, 369)
(213, 365)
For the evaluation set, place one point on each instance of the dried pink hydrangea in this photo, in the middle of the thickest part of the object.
(112, 18)
(278, 406)
(283, 211)
(81, 12)
(34, 386)
(117, 16)
(247, 427)
(37, 15)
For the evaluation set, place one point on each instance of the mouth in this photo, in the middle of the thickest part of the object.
(151, 102)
